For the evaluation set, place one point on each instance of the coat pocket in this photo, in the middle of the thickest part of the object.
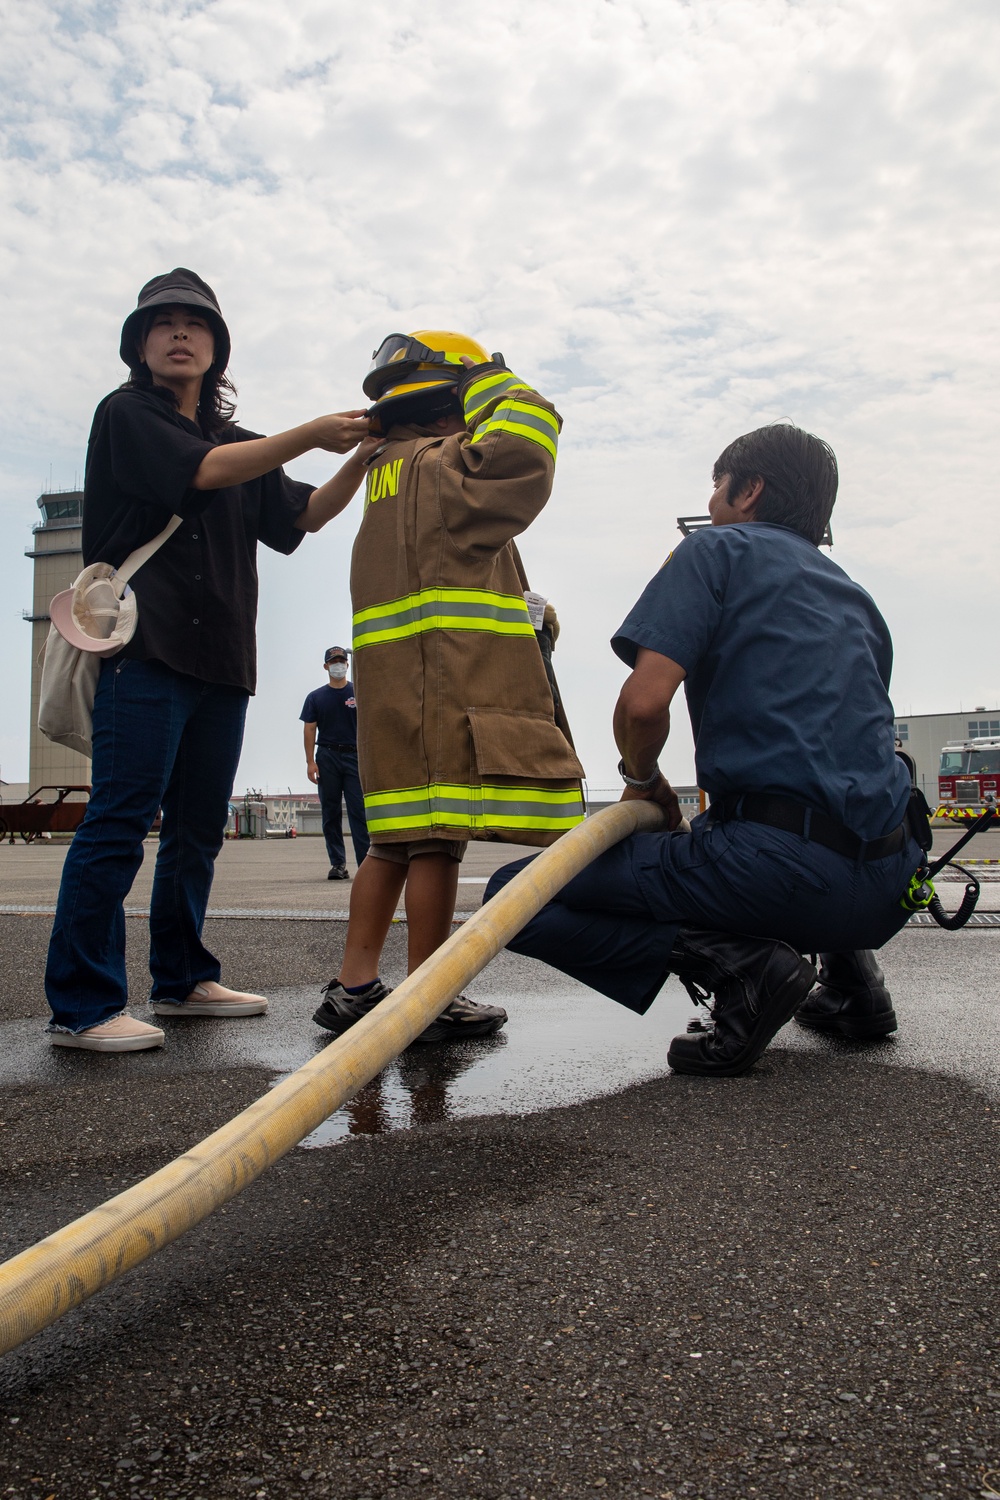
(522, 745)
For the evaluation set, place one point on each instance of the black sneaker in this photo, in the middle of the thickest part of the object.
(464, 1018)
(339, 872)
(340, 1011)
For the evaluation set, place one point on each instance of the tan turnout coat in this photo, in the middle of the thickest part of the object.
(456, 733)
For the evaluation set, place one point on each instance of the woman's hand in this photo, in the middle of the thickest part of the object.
(340, 431)
(235, 463)
(356, 465)
(334, 496)
(368, 446)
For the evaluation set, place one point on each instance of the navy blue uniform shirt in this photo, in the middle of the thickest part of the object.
(787, 663)
(335, 714)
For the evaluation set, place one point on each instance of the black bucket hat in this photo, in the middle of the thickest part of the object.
(182, 288)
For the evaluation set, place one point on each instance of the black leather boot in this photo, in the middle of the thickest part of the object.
(756, 984)
(851, 998)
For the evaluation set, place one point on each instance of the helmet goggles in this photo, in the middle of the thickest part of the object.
(400, 356)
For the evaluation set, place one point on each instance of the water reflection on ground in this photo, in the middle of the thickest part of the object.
(415, 1090)
(555, 1049)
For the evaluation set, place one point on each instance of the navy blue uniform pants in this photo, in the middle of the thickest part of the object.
(613, 926)
(339, 779)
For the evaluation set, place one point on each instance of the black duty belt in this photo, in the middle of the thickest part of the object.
(326, 745)
(792, 817)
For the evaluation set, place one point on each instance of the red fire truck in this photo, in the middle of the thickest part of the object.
(969, 778)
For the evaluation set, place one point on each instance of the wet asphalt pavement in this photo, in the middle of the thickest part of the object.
(533, 1266)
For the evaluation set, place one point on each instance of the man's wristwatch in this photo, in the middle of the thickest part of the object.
(640, 786)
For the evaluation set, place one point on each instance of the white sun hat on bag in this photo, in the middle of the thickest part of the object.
(100, 612)
(95, 618)
(93, 615)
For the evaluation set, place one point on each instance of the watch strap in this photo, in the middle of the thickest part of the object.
(639, 786)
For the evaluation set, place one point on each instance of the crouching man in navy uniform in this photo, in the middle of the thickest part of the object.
(807, 845)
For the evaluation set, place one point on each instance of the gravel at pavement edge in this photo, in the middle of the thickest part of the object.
(773, 1285)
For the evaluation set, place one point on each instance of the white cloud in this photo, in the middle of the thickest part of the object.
(682, 220)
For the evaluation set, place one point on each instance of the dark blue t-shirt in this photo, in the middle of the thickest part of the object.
(787, 663)
(335, 714)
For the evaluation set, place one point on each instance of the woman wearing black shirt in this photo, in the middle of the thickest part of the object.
(170, 707)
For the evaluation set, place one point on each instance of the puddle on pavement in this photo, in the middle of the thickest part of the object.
(556, 1049)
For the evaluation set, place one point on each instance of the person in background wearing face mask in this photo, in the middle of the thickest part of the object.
(330, 716)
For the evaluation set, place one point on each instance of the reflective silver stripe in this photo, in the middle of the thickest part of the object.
(572, 807)
(448, 805)
(429, 609)
(529, 807)
(504, 415)
(482, 391)
(417, 808)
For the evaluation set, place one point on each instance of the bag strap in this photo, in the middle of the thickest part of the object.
(141, 555)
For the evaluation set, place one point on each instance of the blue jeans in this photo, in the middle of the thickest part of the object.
(160, 740)
(338, 778)
(613, 926)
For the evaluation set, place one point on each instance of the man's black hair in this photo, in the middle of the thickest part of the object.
(421, 411)
(799, 472)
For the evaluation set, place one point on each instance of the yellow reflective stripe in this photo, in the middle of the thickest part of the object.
(419, 793)
(458, 792)
(475, 396)
(525, 420)
(485, 807)
(530, 793)
(442, 609)
(454, 596)
(444, 622)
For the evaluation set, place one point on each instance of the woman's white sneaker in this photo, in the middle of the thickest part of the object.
(121, 1034)
(213, 999)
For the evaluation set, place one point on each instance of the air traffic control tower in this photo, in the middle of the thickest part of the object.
(57, 552)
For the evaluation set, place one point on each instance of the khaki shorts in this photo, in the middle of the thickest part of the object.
(401, 854)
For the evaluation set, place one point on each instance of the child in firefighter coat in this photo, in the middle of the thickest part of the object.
(457, 734)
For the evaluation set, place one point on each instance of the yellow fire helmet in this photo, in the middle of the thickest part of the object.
(409, 365)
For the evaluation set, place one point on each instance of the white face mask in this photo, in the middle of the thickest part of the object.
(337, 669)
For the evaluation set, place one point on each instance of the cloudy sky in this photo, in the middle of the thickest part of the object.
(679, 220)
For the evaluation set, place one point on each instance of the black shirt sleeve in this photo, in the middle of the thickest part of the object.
(279, 501)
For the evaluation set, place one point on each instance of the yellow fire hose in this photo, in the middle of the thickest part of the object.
(60, 1272)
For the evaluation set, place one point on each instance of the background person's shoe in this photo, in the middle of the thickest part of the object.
(339, 872)
(756, 984)
(209, 998)
(121, 1034)
(463, 1018)
(340, 1011)
(851, 999)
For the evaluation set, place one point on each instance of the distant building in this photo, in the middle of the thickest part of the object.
(599, 797)
(286, 812)
(922, 735)
(289, 812)
(57, 553)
